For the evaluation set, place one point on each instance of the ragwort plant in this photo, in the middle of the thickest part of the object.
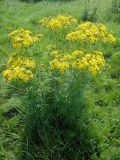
(53, 90)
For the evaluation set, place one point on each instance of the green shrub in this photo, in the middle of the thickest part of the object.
(89, 16)
(114, 11)
(116, 6)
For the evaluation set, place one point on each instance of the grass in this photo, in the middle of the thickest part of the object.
(103, 97)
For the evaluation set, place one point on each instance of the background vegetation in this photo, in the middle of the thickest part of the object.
(102, 98)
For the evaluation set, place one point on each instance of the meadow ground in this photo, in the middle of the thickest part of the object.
(104, 95)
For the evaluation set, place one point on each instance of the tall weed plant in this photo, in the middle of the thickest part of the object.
(51, 76)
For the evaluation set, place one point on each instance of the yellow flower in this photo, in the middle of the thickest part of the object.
(17, 68)
(30, 63)
(17, 73)
(57, 22)
(23, 38)
(78, 60)
(76, 53)
(91, 32)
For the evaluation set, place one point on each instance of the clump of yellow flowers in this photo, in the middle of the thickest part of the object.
(19, 68)
(57, 22)
(91, 32)
(23, 38)
(78, 60)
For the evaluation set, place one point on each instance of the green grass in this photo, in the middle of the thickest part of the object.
(103, 97)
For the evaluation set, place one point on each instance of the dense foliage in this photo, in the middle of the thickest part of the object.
(116, 6)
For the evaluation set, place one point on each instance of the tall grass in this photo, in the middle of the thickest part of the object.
(57, 123)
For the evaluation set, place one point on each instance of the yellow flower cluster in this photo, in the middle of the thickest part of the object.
(18, 73)
(78, 60)
(23, 38)
(91, 32)
(58, 22)
(51, 47)
(15, 60)
(19, 68)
